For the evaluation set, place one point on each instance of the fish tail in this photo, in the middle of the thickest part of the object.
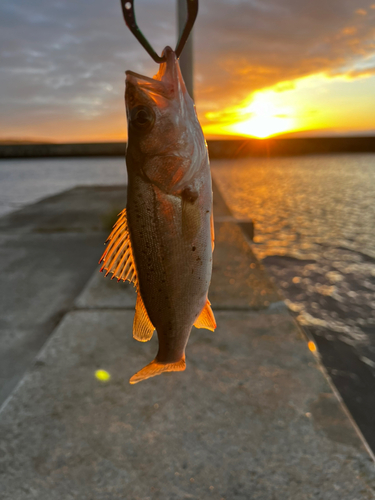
(157, 368)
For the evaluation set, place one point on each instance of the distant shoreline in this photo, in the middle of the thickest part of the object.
(231, 148)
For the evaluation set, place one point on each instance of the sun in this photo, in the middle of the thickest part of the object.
(266, 117)
(264, 113)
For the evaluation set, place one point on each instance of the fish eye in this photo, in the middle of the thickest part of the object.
(142, 118)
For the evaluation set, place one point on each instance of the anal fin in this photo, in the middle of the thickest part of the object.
(156, 368)
(206, 319)
(142, 326)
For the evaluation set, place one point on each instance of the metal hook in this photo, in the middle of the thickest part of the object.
(129, 16)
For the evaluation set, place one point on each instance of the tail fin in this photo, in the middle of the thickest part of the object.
(156, 368)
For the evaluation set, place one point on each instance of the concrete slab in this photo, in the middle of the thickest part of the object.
(239, 281)
(48, 251)
(40, 277)
(82, 209)
(220, 207)
(251, 417)
(104, 293)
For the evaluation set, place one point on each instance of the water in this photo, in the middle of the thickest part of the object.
(316, 215)
(28, 180)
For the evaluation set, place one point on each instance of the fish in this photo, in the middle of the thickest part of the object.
(163, 240)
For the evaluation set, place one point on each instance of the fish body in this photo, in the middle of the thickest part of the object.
(168, 215)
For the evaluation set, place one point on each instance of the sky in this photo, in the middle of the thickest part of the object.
(261, 67)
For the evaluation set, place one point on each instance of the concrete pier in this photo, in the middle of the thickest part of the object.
(252, 417)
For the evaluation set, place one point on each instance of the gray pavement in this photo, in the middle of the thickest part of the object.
(252, 417)
(48, 251)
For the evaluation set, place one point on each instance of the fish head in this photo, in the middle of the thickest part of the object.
(165, 139)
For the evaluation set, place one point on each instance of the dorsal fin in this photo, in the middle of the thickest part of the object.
(118, 257)
(206, 319)
(142, 326)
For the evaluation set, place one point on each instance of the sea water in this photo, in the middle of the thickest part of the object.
(315, 233)
(28, 180)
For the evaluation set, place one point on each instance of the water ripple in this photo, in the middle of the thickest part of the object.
(314, 231)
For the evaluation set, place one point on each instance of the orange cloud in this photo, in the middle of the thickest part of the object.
(260, 48)
(350, 30)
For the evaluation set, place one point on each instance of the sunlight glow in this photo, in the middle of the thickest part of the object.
(312, 346)
(318, 103)
(267, 118)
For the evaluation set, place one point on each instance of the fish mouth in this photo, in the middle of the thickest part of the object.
(149, 85)
(139, 77)
(166, 81)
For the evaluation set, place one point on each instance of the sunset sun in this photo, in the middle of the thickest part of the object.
(263, 114)
(266, 117)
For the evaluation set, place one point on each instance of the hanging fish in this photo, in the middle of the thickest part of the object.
(163, 240)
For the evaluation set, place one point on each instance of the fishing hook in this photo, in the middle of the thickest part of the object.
(129, 16)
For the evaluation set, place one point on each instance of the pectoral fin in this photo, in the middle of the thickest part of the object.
(206, 319)
(118, 257)
(142, 326)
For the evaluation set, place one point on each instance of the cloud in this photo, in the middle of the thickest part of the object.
(62, 63)
(245, 47)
